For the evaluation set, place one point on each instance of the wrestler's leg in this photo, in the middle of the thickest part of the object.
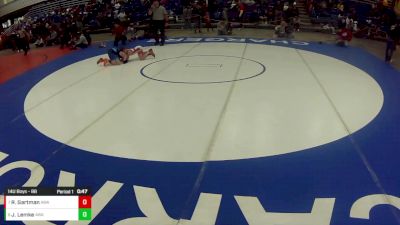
(144, 54)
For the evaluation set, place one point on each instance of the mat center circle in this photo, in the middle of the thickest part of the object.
(203, 69)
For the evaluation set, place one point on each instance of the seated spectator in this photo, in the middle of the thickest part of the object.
(87, 36)
(39, 42)
(224, 28)
(82, 42)
(52, 39)
(330, 27)
(283, 30)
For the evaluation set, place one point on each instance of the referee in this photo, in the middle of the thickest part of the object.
(159, 20)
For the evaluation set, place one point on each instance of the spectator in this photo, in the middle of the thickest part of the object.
(330, 27)
(82, 42)
(23, 40)
(349, 23)
(120, 34)
(344, 37)
(39, 42)
(392, 39)
(197, 15)
(52, 38)
(225, 15)
(340, 7)
(270, 14)
(187, 17)
(238, 10)
(207, 18)
(87, 36)
(65, 35)
(224, 28)
(284, 30)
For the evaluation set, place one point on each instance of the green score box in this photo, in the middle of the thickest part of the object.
(85, 214)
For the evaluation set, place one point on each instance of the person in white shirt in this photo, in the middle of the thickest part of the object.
(159, 18)
(82, 42)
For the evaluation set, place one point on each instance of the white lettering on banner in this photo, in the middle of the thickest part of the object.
(194, 39)
(255, 214)
(362, 207)
(36, 176)
(214, 39)
(282, 41)
(3, 156)
(174, 40)
(151, 206)
(300, 43)
(149, 202)
(206, 210)
(236, 40)
(258, 40)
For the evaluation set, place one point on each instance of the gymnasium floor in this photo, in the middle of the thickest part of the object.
(212, 130)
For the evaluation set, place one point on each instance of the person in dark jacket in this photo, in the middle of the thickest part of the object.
(393, 36)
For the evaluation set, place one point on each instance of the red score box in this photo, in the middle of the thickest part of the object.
(85, 202)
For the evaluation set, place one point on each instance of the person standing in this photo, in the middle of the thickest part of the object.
(65, 35)
(23, 40)
(197, 15)
(344, 36)
(187, 16)
(393, 37)
(159, 20)
(120, 33)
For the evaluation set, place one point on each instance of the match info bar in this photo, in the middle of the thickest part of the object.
(54, 204)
